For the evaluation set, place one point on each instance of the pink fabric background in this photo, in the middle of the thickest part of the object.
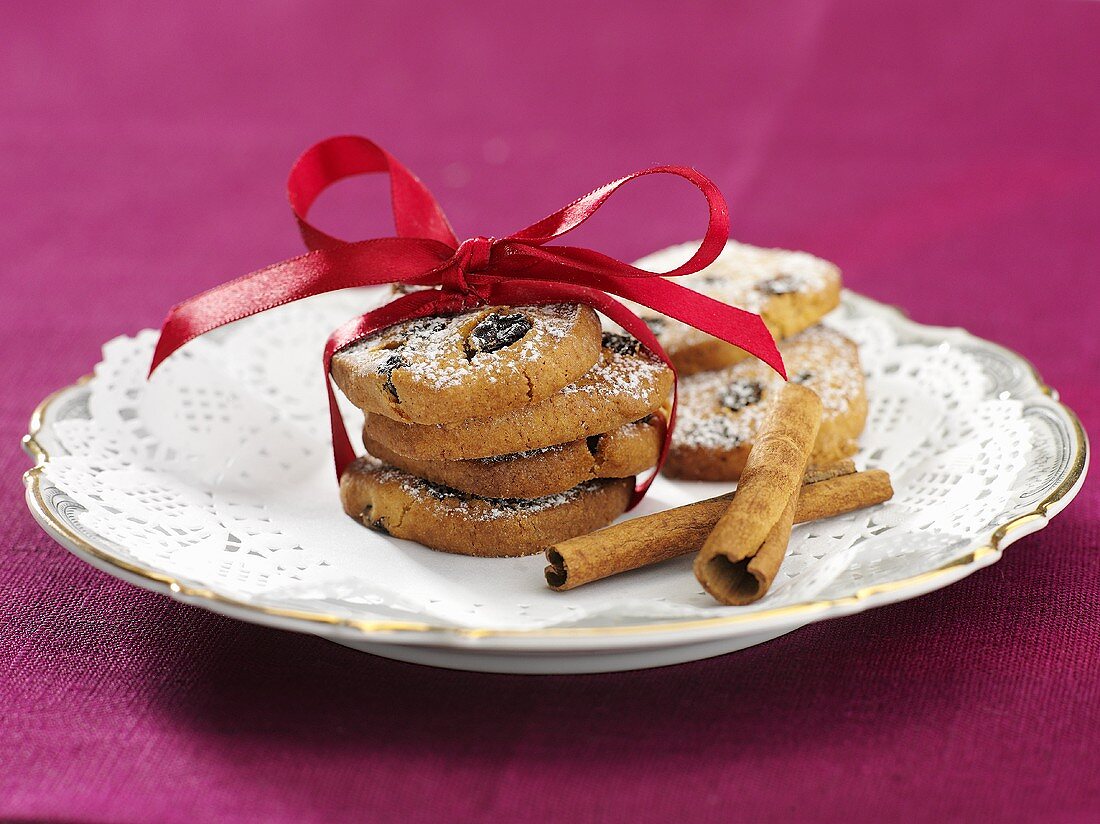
(946, 155)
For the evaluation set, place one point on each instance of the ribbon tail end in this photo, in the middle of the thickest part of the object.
(160, 355)
(774, 359)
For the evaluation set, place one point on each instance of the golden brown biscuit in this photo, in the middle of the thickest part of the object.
(626, 384)
(791, 291)
(404, 506)
(628, 450)
(492, 359)
(720, 412)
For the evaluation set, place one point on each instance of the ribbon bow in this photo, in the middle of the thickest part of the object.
(514, 270)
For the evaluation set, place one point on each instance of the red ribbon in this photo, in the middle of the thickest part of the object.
(514, 270)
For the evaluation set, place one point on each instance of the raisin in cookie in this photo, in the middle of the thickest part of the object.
(628, 450)
(627, 383)
(720, 412)
(442, 369)
(399, 504)
(791, 291)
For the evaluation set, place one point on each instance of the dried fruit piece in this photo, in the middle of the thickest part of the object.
(394, 361)
(779, 285)
(621, 344)
(741, 394)
(496, 331)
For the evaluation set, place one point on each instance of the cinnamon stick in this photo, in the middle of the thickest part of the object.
(650, 539)
(824, 473)
(846, 493)
(742, 554)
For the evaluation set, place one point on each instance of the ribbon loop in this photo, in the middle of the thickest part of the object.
(567, 219)
(415, 210)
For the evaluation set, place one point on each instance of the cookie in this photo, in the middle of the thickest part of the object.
(628, 450)
(442, 369)
(721, 411)
(627, 383)
(404, 506)
(791, 291)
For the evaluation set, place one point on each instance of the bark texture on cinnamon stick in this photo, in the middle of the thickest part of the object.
(814, 474)
(650, 539)
(742, 554)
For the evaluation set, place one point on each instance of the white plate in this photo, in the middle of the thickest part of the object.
(212, 484)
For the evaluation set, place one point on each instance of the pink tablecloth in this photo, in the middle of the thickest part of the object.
(947, 155)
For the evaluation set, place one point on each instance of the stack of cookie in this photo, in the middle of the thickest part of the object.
(724, 392)
(500, 431)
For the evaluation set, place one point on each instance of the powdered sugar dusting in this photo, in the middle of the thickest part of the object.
(530, 453)
(744, 276)
(477, 508)
(820, 358)
(623, 370)
(432, 349)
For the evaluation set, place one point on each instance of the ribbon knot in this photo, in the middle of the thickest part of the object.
(472, 257)
(520, 269)
(473, 253)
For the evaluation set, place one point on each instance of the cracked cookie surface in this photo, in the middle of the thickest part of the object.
(626, 383)
(721, 411)
(620, 453)
(791, 291)
(392, 501)
(492, 359)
